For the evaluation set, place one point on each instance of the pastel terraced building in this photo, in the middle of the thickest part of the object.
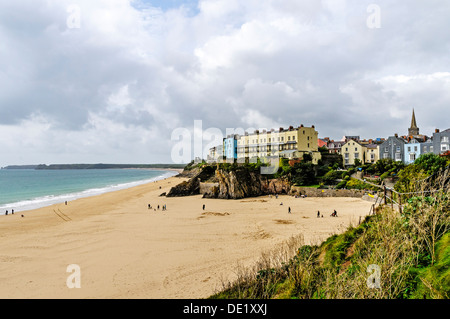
(230, 148)
(290, 143)
(359, 150)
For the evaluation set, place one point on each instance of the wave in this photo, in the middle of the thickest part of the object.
(44, 201)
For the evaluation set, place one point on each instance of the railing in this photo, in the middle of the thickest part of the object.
(396, 199)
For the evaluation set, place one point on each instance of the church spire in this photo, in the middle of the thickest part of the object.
(413, 121)
(413, 130)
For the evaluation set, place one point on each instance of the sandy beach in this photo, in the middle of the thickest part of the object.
(125, 250)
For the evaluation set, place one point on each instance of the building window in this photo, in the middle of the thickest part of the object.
(386, 149)
(431, 148)
(412, 157)
(356, 149)
(444, 147)
(444, 139)
(398, 149)
(346, 155)
(346, 149)
(293, 138)
(409, 148)
(398, 157)
(356, 155)
(424, 149)
(415, 148)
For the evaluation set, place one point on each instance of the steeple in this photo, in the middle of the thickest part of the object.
(413, 130)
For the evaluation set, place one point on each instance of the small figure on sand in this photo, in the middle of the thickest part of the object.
(149, 206)
(65, 203)
(318, 214)
(334, 214)
(6, 212)
(158, 207)
(289, 210)
(203, 206)
(12, 211)
(281, 203)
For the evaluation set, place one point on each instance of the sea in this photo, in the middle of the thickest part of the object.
(25, 189)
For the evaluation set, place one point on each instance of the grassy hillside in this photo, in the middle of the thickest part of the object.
(409, 249)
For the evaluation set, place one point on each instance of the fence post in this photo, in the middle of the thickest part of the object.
(385, 200)
(400, 203)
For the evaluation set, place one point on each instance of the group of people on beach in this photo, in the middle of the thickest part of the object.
(12, 212)
(333, 214)
(164, 207)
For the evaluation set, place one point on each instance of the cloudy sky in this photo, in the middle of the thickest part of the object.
(110, 81)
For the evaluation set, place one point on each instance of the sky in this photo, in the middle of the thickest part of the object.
(116, 81)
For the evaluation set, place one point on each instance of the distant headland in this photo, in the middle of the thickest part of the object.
(95, 166)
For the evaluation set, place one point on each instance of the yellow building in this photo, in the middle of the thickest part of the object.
(286, 143)
(351, 151)
(366, 153)
(372, 153)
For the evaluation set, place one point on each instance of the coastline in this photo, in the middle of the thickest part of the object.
(126, 250)
(49, 200)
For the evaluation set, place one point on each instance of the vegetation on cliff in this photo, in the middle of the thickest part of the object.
(391, 254)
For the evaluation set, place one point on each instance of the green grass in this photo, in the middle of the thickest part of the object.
(338, 267)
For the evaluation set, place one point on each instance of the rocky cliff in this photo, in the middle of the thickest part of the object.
(242, 182)
(192, 186)
(229, 184)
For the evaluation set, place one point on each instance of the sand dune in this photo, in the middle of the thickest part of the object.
(125, 250)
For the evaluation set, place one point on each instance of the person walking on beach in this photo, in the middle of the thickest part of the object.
(12, 211)
(289, 210)
(203, 206)
(318, 214)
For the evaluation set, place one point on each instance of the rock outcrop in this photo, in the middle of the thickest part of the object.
(230, 184)
(242, 183)
(192, 186)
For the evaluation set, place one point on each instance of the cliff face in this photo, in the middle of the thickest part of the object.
(241, 183)
(192, 186)
(234, 184)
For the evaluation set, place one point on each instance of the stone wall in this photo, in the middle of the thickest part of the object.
(315, 192)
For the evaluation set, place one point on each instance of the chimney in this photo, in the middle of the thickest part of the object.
(396, 135)
(436, 130)
(281, 129)
(291, 128)
(313, 126)
(301, 125)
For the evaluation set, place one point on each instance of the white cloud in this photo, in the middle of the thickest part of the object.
(119, 85)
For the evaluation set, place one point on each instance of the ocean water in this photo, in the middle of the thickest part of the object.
(25, 189)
